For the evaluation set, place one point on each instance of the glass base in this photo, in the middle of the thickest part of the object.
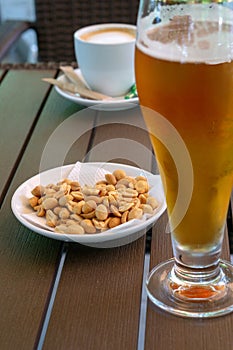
(209, 299)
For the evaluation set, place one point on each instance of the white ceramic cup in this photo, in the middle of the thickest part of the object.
(105, 56)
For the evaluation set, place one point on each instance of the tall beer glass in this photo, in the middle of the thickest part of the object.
(184, 77)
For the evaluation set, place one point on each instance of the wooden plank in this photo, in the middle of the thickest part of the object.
(22, 94)
(29, 261)
(171, 332)
(123, 137)
(97, 303)
(98, 300)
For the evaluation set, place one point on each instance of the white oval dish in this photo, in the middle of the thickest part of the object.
(120, 235)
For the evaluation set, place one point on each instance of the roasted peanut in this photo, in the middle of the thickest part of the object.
(115, 211)
(110, 178)
(40, 211)
(124, 217)
(51, 218)
(142, 186)
(74, 229)
(38, 191)
(33, 201)
(126, 206)
(119, 174)
(152, 202)
(147, 209)
(78, 195)
(113, 222)
(50, 203)
(135, 213)
(64, 213)
(88, 226)
(101, 212)
(75, 186)
(65, 199)
(88, 206)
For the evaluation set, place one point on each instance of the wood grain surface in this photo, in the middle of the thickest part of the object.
(97, 303)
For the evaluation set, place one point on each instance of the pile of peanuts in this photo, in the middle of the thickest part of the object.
(73, 209)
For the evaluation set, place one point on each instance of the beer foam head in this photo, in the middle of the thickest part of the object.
(189, 38)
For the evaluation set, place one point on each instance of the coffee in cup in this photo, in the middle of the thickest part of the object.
(105, 56)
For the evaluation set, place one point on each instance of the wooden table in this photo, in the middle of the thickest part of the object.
(57, 295)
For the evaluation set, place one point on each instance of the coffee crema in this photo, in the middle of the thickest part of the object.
(114, 35)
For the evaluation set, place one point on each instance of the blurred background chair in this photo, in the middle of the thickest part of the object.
(57, 20)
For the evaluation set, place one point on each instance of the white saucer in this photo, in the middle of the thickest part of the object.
(120, 235)
(118, 103)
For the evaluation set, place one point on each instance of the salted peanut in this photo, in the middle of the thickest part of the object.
(136, 202)
(131, 180)
(65, 199)
(123, 200)
(135, 213)
(112, 200)
(88, 226)
(129, 192)
(140, 177)
(40, 211)
(51, 218)
(59, 194)
(99, 225)
(115, 211)
(110, 188)
(124, 217)
(96, 199)
(102, 191)
(77, 209)
(33, 201)
(65, 187)
(90, 191)
(101, 212)
(88, 206)
(142, 186)
(119, 174)
(50, 203)
(78, 195)
(101, 182)
(124, 181)
(57, 210)
(143, 198)
(64, 213)
(68, 222)
(38, 191)
(70, 206)
(110, 178)
(126, 206)
(76, 217)
(152, 202)
(40, 200)
(105, 224)
(113, 222)
(105, 202)
(75, 186)
(49, 192)
(64, 181)
(147, 209)
(74, 229)
(90, 215)
(120, 186)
